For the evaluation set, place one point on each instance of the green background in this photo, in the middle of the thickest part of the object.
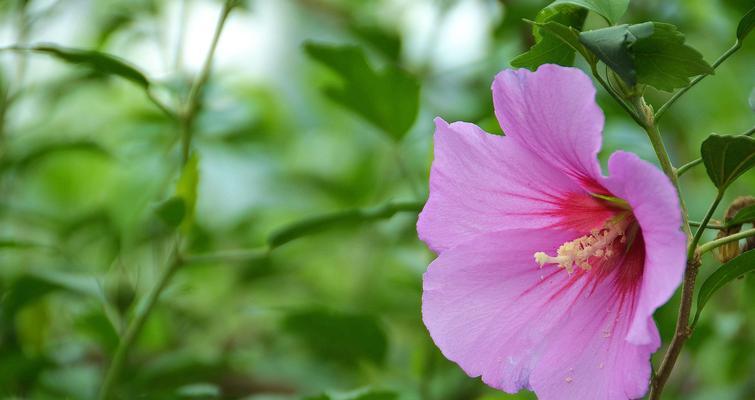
(86, 160)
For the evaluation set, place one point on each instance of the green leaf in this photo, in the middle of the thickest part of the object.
(612, 10)
(34, 285)
(186, 189)
(612, 46)
(745, 25)
(726, 273)
(389, 99)
(665, 62)
(172, 211)
(15, 244)
(742, 216)
(22, 161)
(568, 36)
(325, 222)
(97, 61)
(727, 157)
(549, 48)
(651, 53)
(344, 338)
(385, 42)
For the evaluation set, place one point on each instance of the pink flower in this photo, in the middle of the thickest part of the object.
(548, 272)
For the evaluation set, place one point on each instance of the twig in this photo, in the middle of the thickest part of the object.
(726, 239)
(189, 111)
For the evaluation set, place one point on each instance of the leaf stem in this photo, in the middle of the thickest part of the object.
(699, 233)
(733, 49)
(615, 96)
(686, 167)
(683, 329)
(189, 111)
(160, 105)
(709, 226)
(706, 247)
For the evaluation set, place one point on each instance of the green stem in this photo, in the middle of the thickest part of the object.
(186, 121)
(684, 168)
(189, 111)
(726, 239)
(697, 80)
(699, 233)
(135, 327)
(709, 226)
(648, 123)
(161, 106)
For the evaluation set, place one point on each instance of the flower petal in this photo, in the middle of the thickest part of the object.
(589, 358)
(483, 303)
(482, 183)
(655, 205)
(552, 112)
(490, 309)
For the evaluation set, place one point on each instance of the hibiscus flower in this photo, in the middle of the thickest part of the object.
(548, 273)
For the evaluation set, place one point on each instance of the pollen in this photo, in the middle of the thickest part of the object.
(594, 246)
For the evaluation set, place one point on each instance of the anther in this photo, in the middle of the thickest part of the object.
(578, 252)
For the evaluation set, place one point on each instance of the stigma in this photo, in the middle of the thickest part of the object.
(597, 245)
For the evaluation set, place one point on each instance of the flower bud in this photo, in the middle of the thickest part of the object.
(730, 250)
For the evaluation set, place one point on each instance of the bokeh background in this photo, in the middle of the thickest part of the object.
(86, 160)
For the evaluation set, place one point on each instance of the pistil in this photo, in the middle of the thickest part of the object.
(598, 244)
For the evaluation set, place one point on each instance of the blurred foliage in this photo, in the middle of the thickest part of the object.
(316, 110)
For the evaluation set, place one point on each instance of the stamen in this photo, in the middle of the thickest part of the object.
(596, 244)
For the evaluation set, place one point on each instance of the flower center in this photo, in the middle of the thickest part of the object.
(597, 245)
